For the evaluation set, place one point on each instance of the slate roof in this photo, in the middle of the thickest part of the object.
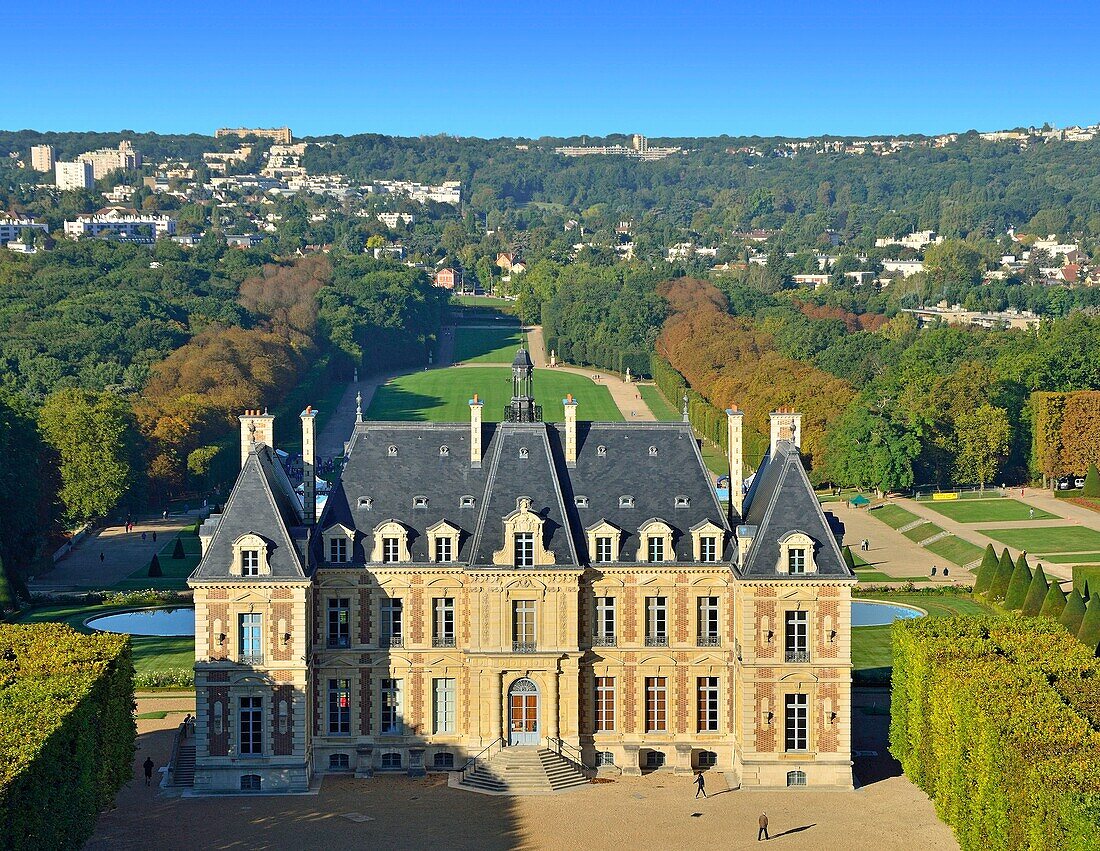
(262, 502)
(782, 500)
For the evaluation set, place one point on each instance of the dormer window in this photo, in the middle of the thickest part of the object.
(656, 548)
(655, 541)
(707, 540)
(603, 542)
(365, 502)
(338, 541)
(250, 556)
(443, 541)
(467, 502)
(796, 560)
(683, 502)
(523, 544)
(338, 550)
(581, 501)
(420, 502)
(601, 451)
(391, 550)
(626, 502)
(392, 451)
(796, 554)
(391, 543)
(444, 451)
(250, 562)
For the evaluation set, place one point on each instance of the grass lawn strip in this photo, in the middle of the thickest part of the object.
(1072, 558)
(894, 516)
(487, 345)
(922, 532)
(988, 510)
(1048, 539)
(657, 403)
(175, 571)
(956, 550)
(443, 395)
(876, 576)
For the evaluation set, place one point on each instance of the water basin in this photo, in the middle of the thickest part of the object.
(874, 613)
(158, 622)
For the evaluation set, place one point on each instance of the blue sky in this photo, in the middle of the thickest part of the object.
(555, 67)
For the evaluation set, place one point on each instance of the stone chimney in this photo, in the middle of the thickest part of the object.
(256, 427)
(309, 465)
(570, 430)
(786, 425)
(735, 454)
(475, 431)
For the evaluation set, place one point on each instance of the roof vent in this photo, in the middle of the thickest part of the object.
(652, 451)
(581, 501)
(392, 451)
(365, 502)
(523, 452)
(626, 501)
(467, 502)
(682, 502)
(601, 451)
(444, 450)
(420, 502)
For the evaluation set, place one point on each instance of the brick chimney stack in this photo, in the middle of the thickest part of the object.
(570, 430)
(309, 465)
(735, 454)
(475, 431)
(257, 427)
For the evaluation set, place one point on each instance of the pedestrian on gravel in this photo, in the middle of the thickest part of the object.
(143, 537)
(148, 765)
(763, 832)
(101, 558)
(154, 537)
(700, 785)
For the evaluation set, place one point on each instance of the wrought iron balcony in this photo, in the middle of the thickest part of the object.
(445, 641)
(606, 640)
(339, 641)
(392, 641)
(524, 647)
(709, 641)
(656, 641)
(796, 656)
(251, 659)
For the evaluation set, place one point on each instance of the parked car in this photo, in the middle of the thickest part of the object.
(1066, 483)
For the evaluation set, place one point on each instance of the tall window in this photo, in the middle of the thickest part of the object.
(443, 691)
(796, 638)
(339, 622)
(339, 707)
(605, 704)
(443, 622)
(797, 714)
(338, 550)
(391, 622)
(523, 625)
(603, 548)
(250, 562)
(656, 704)
(707, 699)
(391, 549)
(391, 707)
(656, 548)
(252, 726)
(251, 635)
(524, 546)
(796, 560)
(708, 621)
(656, 621)
(605, 621)
(708, 548)
(443, 550)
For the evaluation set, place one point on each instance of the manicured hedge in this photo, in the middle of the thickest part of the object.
(66, 732)
(996, 718)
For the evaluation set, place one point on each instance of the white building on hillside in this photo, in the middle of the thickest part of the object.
(74, 175)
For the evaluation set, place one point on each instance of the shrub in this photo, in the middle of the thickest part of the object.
(987, 570)
(1054, 603)
(66, 732)
(177, 550)
(1001, 579)
(154, 567)
(1086, 574)
(1073, 613)
(1092, 482)
(1036, 593)
(146, 597)
(1089, 633)
(1018, 586)
(166, 678)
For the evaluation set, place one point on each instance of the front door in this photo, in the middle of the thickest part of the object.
(523, 713)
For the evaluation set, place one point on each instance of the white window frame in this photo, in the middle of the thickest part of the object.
(390, 707)
(709, 624)
(250, 562)
(605, 618)
(656, 617)
(605, 705)
(707, 703)
(523, 549)
(250, 716)
(392, 622)
(443, 621)
(655, 548)
(250, 635)
(338, 550)
(796, 726)
(339, 716)
(656, 694)
(443, 705)
(338, 624)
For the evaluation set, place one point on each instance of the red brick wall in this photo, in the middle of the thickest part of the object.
(680, 607)
(219, 742)
(414, 706)
(283, 742)
(214, 612)
(281, 651)
(364, 615)
(684, 695)
(627, 692)
(827, 613)
(630, 611)
(364, 701)
(767, 735)
(416, 611)
(828, 739)
(766, 609)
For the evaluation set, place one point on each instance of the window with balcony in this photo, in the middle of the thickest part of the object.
(656, 622)
(391, 707)
(605, 622)
(656, 704)
(339, 707)
(523, 626)
(523, 547)
(797, 637)
(251, 726)
(339, 622)
(708, 622)
(443, 622)
(796, 727)
(391, 622)
(707, 704)
(605, 704)
(251, 638)
(443, 700)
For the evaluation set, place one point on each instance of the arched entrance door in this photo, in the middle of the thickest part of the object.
(523, 713)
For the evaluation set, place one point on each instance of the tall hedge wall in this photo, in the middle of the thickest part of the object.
(66, 732)
(997, 720)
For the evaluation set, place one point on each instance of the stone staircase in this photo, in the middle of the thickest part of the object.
(522, 771)
(184, 772)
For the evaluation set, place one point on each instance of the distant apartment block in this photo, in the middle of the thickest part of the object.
(916, 240)
(688, 250)
(106, 160)
(244, 240)
(391, 220)
(13, 229)
(42, 157)
(639, 150)
(448, 192)
(120, 222)
(903, 267)
(957, 315)
(74, 175)
(279, 135)
(216, 161)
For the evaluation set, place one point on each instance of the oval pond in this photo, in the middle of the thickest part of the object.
(158, 622)
(872, 613)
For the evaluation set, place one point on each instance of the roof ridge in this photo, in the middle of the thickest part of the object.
(553, 467)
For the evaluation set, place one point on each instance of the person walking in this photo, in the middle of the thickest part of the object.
(700, 785)
(101, 558)
(154, 536)
(763, 832)
(143, 537)
(148, 766)
(1031, 514)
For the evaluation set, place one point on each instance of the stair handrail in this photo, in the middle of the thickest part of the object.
(473, 761)
(566, 751)
(170, 769)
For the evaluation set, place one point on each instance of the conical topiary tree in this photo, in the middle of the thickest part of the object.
(1073, 613)
(1036, 593)
(1092, 482)
(1018, 586)
(1089, 633)
(177, 550)
(154, 567)
(987, 571)
(1003, 576)
(1054, 603)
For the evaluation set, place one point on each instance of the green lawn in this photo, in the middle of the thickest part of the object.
(443, 395)
(1073, 558)
(894, 516)
(487, 345)
(657, 403)
(956, 550)
(175, 571)
(872, 655)
(482, 301)
(922, 532)
(1050, 539)
(715, 459)
(988, 510)
(869, 574)
(151, 654)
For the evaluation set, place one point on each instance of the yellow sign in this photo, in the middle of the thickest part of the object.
(945, 496)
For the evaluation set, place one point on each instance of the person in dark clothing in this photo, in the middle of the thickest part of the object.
(763, 832)
(700, 785)
(101, 558)
(148, 766)
(154, 537)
